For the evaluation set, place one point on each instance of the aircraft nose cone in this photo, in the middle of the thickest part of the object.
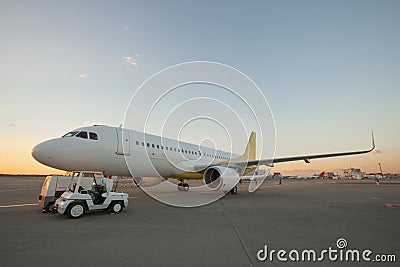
(41, 153)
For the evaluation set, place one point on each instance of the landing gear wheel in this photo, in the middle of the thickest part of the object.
(185, 187)
(116, 207)
(50, 207)
(180, 187)
(75, 210)
(234, 190)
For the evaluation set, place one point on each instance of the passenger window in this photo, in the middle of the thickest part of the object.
(148, 145)
(152, 145)
(82, 135)
(158, 146)
(142, 143)
(93, 136)
(137, 143)
(175, 149)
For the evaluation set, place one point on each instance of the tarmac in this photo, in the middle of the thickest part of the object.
(297, 215)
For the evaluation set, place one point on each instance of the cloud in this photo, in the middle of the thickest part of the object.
(376, 151)
(12, 124)
(129, 60)
(125, 28)
(83, 75)
(5, 110)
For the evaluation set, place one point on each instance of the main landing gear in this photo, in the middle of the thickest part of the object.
(182, 186)
(234, 190)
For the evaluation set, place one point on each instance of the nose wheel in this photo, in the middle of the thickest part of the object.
(182, 186)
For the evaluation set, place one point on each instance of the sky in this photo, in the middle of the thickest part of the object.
(330, 70)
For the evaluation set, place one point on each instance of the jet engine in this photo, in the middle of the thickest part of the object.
(147, 181)
(220, 178)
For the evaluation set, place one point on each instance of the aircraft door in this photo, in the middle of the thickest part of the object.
(123, 144)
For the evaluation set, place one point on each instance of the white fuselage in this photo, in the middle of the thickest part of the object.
(124, 152)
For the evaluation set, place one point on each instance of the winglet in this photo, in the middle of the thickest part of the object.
(373, 141)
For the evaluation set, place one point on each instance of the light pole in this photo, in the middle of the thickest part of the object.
(380, 167)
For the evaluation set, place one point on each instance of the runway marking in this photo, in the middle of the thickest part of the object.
(22, 189)
(18, 205)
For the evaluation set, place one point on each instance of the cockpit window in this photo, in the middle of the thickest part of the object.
(82, 135)
(70, 134)
(93, 136)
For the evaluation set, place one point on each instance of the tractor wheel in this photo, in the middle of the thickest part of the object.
(50, 207)
(75, 210)
(116, 207)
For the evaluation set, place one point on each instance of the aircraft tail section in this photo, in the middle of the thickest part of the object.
(250, 152)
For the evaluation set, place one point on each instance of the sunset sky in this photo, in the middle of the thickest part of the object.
(329, 69)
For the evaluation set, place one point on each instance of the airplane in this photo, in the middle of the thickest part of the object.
(151, 159)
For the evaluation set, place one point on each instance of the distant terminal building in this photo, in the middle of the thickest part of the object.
(327, 175)
(353, 173)
(374, 175)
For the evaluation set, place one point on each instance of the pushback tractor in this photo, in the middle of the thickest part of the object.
(90, 191)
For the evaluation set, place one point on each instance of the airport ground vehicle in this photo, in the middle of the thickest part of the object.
(90, 191)
(53, 187)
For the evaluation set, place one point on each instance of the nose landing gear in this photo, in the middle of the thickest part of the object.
(182, 186)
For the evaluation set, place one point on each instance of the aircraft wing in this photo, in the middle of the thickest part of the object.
(306, 158)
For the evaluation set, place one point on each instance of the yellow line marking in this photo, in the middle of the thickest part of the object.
(18, 205)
